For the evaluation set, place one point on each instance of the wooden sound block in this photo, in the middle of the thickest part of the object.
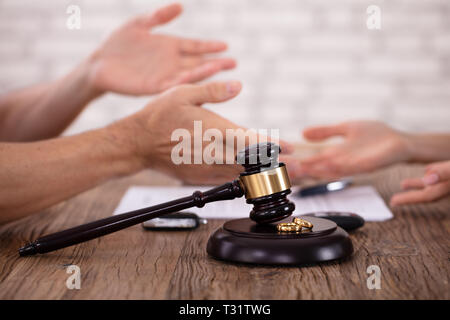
(243, 240)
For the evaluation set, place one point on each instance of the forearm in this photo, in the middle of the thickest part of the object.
(44, 111)
(36, 175)
(428, 147)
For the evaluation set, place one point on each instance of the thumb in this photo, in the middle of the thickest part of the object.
(160, 16)
(323, 132)
(212, 92)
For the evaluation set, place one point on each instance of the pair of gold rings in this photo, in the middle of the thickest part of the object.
(295, 226)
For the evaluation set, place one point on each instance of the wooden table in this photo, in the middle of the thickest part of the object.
(411, 250)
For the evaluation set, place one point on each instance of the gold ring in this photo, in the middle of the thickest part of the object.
(289, 227)
(303, 223)
(295, 226)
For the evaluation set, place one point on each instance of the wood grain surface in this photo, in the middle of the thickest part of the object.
(412, 251)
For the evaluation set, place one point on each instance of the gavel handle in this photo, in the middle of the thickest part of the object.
(95, 229)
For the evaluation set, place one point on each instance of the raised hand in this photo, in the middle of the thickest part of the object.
(136, 61)
(148, 133)
(435, 184)
(367, 145)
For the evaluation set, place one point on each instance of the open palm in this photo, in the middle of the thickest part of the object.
(134, 61)
(367, 145)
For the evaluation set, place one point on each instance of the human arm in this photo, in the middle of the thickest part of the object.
(44, 111)
(366, 146)
(132, 61)
(36, 175)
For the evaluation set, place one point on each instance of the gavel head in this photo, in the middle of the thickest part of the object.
(266, 183)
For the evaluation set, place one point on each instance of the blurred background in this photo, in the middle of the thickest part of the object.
(302, 62)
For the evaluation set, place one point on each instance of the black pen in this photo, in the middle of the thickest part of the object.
(324, 188)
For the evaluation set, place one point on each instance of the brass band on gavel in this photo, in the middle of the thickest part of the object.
(265, 183)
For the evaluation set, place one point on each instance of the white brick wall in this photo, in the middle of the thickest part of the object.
(301, 62)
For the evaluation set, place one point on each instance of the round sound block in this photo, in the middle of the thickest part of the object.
(242, 240)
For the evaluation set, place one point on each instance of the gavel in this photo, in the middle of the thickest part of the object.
(264, 182)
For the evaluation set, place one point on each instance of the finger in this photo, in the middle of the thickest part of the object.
(412, 183)
(210, 92)
(319, 170)
(191, 61)
(293, 166)
(442, 165)
(325, 155)
(218, 64)
(438, 171)
(191, 76)
(200, 73)
(223, 63)
(430, 193)
(315, 158)
(161, 16)
(318, 174)
(430, 178)
(323, 132)
(335, 165)
(189, 46)
(285, 146)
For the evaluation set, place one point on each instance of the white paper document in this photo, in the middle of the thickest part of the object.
(363, 200)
